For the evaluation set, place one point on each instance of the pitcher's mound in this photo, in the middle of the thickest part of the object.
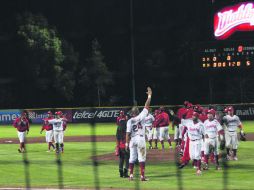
(153, 155)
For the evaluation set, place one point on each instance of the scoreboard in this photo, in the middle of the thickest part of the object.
(226, 55)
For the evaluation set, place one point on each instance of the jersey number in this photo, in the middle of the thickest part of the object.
(136, 127)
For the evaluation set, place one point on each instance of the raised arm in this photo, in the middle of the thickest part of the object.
(149, 97)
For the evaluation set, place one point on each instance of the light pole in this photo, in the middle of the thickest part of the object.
(132, 54)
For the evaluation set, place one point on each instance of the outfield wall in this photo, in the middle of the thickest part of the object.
(105, 114)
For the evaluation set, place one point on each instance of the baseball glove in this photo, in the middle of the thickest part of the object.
(242, 137)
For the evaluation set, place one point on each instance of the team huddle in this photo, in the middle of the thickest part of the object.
(54, 127)
(200, 134)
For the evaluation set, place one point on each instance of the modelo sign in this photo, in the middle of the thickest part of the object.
(239, 17)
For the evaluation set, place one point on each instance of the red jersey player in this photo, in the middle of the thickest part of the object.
(120, 118)
(162, 121)
(22, 126)
(49, 131)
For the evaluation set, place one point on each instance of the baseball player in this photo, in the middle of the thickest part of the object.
(195, 130)
(212, 129)
(65, 120)
(162, 122)
(203, 117)
(58, 130)
(186, 118)
(22, 126)
(232, 122)
(175, 127)
(124, 155)
(135, 137)
(121, 117)
(149, 127)
(156, 130)
(49, 131)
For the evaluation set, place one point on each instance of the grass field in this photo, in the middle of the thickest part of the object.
(78, 170)
(72, 130)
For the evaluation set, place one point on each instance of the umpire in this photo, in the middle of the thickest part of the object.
(120, 145)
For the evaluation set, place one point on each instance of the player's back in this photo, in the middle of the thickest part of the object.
(136, 125)
(149, 120)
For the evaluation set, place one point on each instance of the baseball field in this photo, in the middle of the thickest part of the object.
(85, 144)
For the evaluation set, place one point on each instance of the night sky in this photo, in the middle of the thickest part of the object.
(166, 35)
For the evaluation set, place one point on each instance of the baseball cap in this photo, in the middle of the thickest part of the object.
(226, 109)
(230, 108)
(196, 114)
(211, 111)
(59, 113)
(185, 103)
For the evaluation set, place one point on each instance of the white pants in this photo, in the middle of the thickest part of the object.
(202, 145)
(211, 142)
(180, 131)
(22, 136)
(58, 136)
(164, 135)
(231, 139)
(156, 133)
(49, 136)
(195, 150)
(177, 133)
(137, 149)
(149, 133)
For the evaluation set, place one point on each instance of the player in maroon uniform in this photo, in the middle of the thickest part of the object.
(49, 131)
(162, 122)
(22, 126)
(182, 111)
(120, 145)
(156, 130)
(121, 117)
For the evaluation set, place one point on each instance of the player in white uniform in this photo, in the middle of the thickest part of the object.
(149, 128)
(58, 128)
(135, 137)
(212, 128)
(232, 122)
(195, 131)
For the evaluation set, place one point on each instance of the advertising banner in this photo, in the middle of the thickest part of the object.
(96, 114)
(8, 116)
(37, 116)
(101, 115)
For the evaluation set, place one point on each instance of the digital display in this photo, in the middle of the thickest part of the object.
(226, 55)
